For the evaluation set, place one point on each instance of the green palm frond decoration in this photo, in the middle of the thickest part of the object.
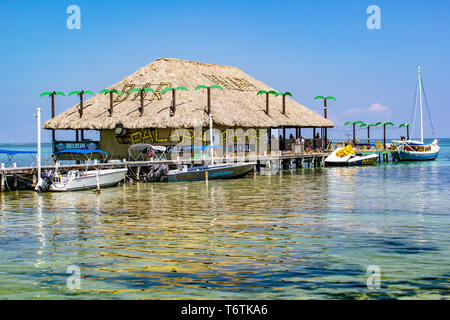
(81, 92)
(206, 87)
(373, 125)
(165, 90)
(359, 122)
(149, 90)
(388, 124)
(378, 123)
(325, 98)
(267, 92)
(406, 124)
(135, 90)
(363, 124)
(208, 94)
(287, 93)
(105, 91)
(170, 89)
(117, 91)
(348, 122)
(45, 93)
(54, 93)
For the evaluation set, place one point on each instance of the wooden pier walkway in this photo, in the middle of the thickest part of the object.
(13, 178)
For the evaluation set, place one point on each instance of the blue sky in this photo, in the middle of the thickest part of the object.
(306, 47)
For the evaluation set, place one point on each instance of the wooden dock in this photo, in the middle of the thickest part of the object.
(14, 178)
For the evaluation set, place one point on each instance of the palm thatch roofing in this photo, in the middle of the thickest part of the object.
(237, 105)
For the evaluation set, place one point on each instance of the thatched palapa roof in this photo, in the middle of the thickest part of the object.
(237, 105)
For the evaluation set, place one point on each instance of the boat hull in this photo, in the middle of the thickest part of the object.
(333, 160)
(106, 178)
(414, 156)
(350, 163)
(231, 171)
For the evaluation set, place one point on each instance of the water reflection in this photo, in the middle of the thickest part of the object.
(305, 233)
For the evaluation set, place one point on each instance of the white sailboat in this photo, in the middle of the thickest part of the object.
(413, 150)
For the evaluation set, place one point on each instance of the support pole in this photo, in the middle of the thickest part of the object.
(211, 139)
(38, 160)
(354, 140)
(208, 98)
(314, 138)
(325, 115)
(15, 176)
(2, 178)
(53, 115)
(96, 176)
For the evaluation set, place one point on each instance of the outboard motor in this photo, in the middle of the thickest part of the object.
(45, 181)
(158, 172)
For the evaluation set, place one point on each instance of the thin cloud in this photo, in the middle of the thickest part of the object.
(376, 109)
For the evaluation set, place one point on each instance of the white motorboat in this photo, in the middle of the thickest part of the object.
(347, 157)
(80, 180)
(213, 171)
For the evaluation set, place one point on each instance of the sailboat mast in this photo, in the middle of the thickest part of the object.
(420, 102)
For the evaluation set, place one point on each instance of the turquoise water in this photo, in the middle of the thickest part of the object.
(302, 234)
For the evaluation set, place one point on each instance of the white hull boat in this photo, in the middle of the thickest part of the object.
(80, 180)
(341, 158)
(416, 150)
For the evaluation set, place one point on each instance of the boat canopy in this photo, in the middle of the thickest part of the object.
(203, 148)
(143, 152)
(14, 152)
(80, 151)
(11, 153)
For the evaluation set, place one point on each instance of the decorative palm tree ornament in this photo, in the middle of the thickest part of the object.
(81, 94)
(172, 109)
(52, 95)
(267, 97)
(407, 125)
(208, 94)
(142, 94)
(324, 134)
(287, 93)
(111, 98)
(384, 132)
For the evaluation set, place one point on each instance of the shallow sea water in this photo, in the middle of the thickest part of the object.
(298, 234)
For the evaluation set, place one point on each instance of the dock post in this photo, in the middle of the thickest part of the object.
(302, 162)
(2, 177)
(15, 176)
(96, 175)
(138, 171)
